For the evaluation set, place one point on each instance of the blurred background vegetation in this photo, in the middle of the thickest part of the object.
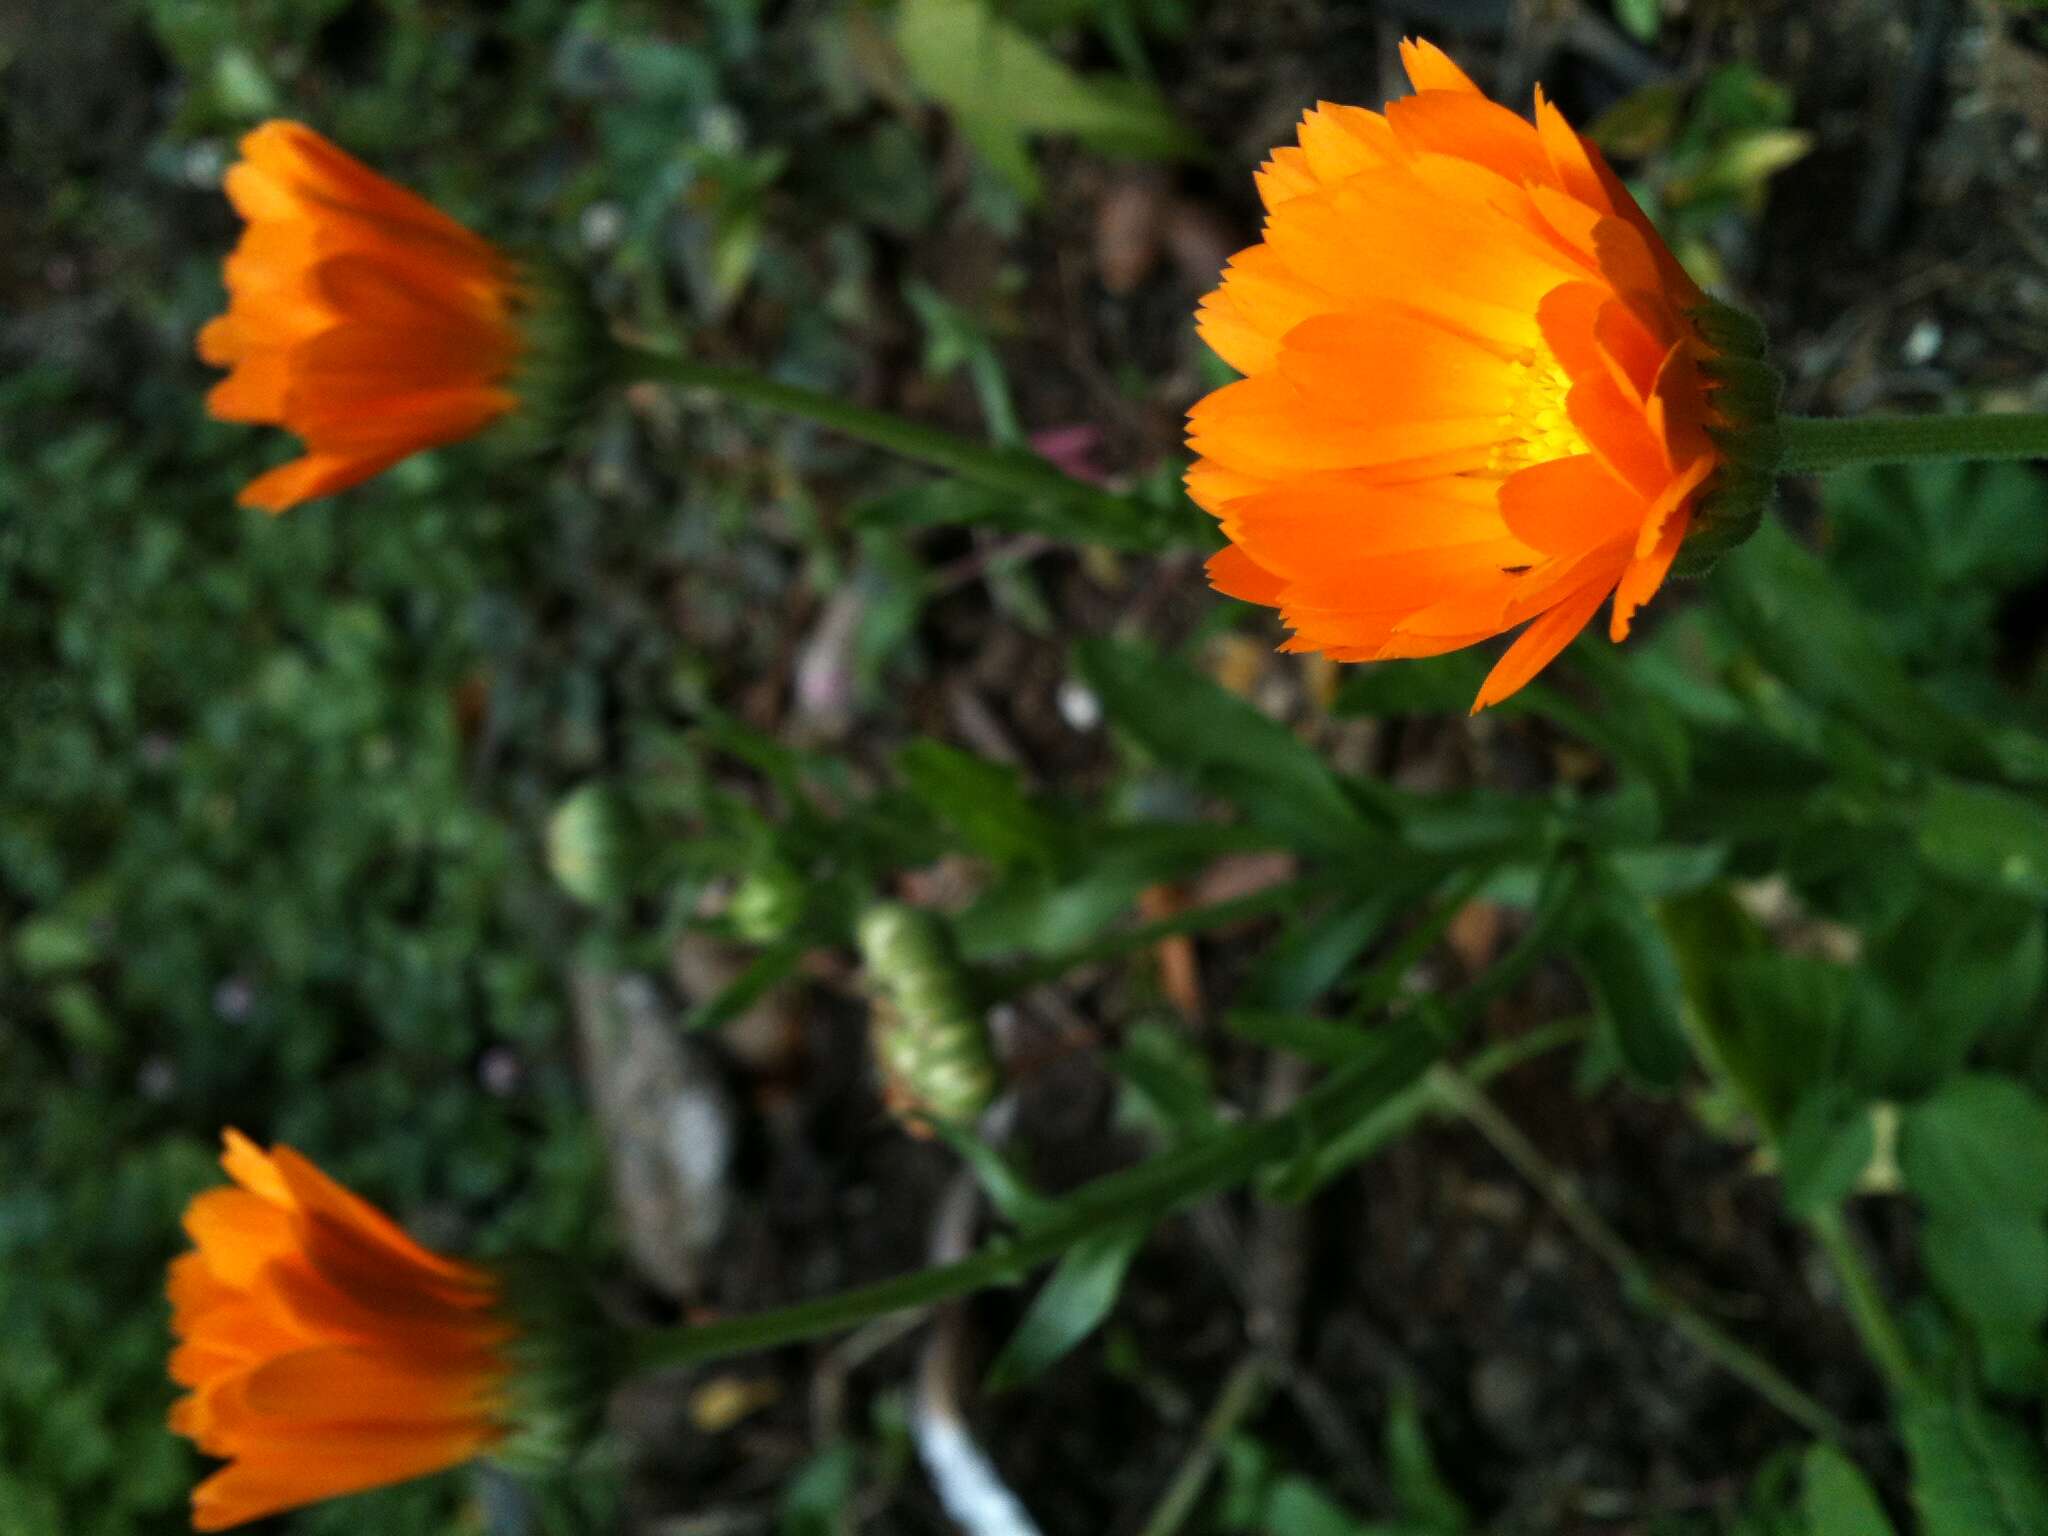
(333, 826)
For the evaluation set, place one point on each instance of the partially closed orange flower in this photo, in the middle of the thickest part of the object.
(1473, 394)
(324, 1350)
(360, 317)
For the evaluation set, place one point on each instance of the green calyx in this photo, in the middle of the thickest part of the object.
(565, 361)
(1745, 391)
(930, 1039)
(565, 1357)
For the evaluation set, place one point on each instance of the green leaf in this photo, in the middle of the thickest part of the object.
(1627, 962)
(982, 802)
(1980, 1144)
(1002, 88)
(1804, 627)
(1300, 1508)
(1641, 19)
(817, 1492)
(1008, 1188)
(1308, 957)
(763, 972)
(1773, 1022)
(1166, 1077)
(1959, 968)
(1991, 1266)
(1315, 1040)
(1993, 839)
(1837, 1499)
(1431, 685)
(48, 945)
(1973, 1473)
(1930, 547)
(1192, 726)
(1827, 1143)
(1419, 1487)
(1068, 1307)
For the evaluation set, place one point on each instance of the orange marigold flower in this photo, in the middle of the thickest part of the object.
(324, 1350)
(1473, 392)
(360, 317)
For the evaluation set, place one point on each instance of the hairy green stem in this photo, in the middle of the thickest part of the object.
(1141, 1194)
(1112, 519)
(1875, 1326)
(1561, 1192)
(1389, 1064)
(1817, 444)
(1395, 1118)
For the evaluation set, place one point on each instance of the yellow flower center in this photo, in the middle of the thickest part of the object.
(1535, 427)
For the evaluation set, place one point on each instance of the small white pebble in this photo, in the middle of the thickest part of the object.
(1079, 706)
(601, 226)
(1922, 343)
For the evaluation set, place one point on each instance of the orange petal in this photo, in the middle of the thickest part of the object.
(1212, 487)
(1538, 645)
(280, 1473)
(1324, 522)
(1235, 574)
(1619, 433)
(1644, 575)
(1569, 506)
(1430, 68)
(1339, 141)
(1259, 302)
(1381, 363)
(1571, 158)
(1677, 408)
(1267, 426)
(1570, 316)
(1466, 126)
(1674, 496)
(315, 475)
(326, 1200)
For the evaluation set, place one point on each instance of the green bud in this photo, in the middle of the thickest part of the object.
(930, 1040)
(768, 904)
(565, 1355)
(593, 844)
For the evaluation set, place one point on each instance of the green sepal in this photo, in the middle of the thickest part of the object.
(566, 1356)
(1730, 509)
(1730, 331)
(566, 355)
(1745, 391)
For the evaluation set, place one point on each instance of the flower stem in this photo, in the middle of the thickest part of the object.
(1090, 513)
(1243, 1390)
(1817, 444)
(1875, 1325)
(1394, 1060)
(1143, 1193)
(1561, 1192)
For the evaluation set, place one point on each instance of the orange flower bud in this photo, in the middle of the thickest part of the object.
(323, 1350)
(1476, 394)
(360, 317)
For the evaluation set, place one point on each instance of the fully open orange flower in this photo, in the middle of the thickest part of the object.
(360, 317)
(1473, 395)
(324, 1350)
